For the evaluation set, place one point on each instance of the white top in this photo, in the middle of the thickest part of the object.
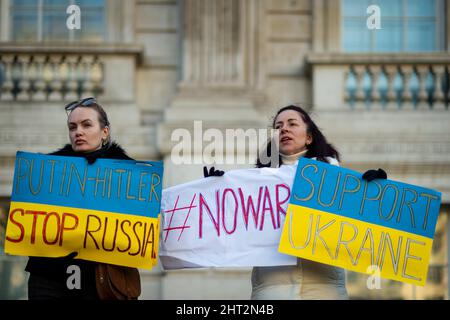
(307, 280)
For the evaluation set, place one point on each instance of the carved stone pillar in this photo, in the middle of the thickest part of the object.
(213, 43)
(221, 52)
(221, 71)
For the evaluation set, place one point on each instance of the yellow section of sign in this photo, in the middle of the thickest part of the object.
(55, 231)
(355, 245)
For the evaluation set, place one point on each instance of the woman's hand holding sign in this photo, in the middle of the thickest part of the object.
(212, 172)
(370, 175)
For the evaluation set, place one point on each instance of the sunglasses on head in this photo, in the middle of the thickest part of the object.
(86, 102)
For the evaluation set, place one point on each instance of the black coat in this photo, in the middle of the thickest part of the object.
(55, 269)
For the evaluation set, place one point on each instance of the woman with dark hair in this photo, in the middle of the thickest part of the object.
(90, 138)
(300, 137)
(304, 137)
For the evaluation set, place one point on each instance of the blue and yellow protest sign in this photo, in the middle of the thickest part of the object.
(107, 212)
(335, 217)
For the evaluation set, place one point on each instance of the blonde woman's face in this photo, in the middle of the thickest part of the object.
(85, 132)
(293, 132)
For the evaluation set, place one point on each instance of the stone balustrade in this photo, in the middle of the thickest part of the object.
(56, 73)
(50, 77)
(381, 81)
(422, 86)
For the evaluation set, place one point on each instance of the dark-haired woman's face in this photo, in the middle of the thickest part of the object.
(85, 131)
(293, 132)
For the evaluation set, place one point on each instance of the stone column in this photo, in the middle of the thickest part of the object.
(220, 75)
(213, 48)
(221, 44)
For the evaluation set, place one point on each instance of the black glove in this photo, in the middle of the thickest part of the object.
(70, 256)
(370, 175)
(91, 158)
(212, 172)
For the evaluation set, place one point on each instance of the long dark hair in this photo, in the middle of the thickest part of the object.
(319, 147)
(104, 122)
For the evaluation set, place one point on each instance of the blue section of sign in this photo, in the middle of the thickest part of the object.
(122, 186)
(383, 202)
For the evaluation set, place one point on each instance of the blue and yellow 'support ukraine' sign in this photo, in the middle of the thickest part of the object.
(335, 217)
(107, 211)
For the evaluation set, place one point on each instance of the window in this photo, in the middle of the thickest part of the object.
(437, 242)
(435, 274)
(4, 210)
(406, 26)
(45, 20)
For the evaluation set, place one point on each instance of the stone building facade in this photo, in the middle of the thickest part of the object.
(160, 65)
